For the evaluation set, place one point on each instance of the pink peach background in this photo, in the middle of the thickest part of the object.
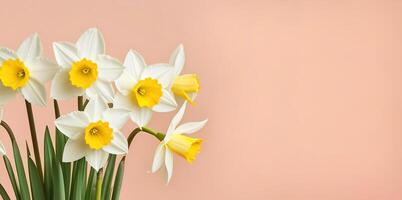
(304, 98)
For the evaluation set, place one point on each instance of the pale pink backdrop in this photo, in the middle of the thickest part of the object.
(304, 98)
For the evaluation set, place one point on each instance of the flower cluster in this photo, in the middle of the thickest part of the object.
(112, 93)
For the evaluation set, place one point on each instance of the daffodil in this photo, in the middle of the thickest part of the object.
(25, 72)
(86, 70)
(143, 89)
(185, 86)
(177, 141)
(93, 133)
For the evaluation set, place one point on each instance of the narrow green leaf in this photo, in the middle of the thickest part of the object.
(3, 193)
(58, 182)
(79, 180)
(91, 186)
(107, 179)
(61, 140)
(118, 180)
(11, 175)
(49, 159)
(21, 173)
(36, 184)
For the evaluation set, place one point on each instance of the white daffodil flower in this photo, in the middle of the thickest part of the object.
(2, 149)
(143, 89)
(25, 72)
(175, 141)
(86, 70)
(93, 133)
(185, 86)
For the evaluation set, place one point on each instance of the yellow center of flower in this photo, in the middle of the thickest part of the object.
(14, 73)
(98, 135)
(83, 73)
(185, 84)
(185, 146)
(147, 92)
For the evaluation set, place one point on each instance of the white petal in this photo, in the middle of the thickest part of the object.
(141, 116)
(2, 149)
(167, 102)
(6, 53)
(177, 59)
(119, 144)
(159, 158)
(103, 89)
(164, 73)
(95, 108)
(73, 124)
(35, 92)
(65, 53)
(190, 127)
(91, 44)
(135, 64)
(30, 48)
(169, 164)
(175, 121)
(109, 68)
(97, 158)
(75, 150)
(42, 69)
(117, 118)
(124, 102)
(6, 94)
(126, 82)
(62, 88)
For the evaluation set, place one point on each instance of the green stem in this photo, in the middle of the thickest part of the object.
(80, 103)
(99, 181)
(56, 109)
(158, 135)
(8, 130)
(34, 138)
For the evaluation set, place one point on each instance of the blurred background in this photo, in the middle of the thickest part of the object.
(304, 98)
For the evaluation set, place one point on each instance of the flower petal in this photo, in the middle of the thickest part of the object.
(141, 116)
(35, 92)
(135, 64)
(43, 69)
(95, 108)
(159, 158)
(97, 158)
(6, 53)
(75, 150)
(164, 73)
(126, 82)
(91, 44)
(62, 88)
(73, 124)
(6, 94)
(109, 68)
(65, 53)
(119, 144)
(2, 149)
(190, 127)
(167, 103)
(103, 89)
(124, 102)
(169, 164)
(117, 118)
(30, 48)
(175, 121)
(177, 59)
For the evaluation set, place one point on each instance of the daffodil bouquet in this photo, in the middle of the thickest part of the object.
(86, 157)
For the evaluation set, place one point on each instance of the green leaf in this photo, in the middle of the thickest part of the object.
(3, 193)
(107, 179)
(118, 180)
(21, 173)
(36, 183)
(49, 159)
(61, 140)
(11, 175)
(58, 182)
(91, 186)
(78, 180)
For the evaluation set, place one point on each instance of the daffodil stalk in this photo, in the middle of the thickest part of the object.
(99, 181)
(34, 138)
